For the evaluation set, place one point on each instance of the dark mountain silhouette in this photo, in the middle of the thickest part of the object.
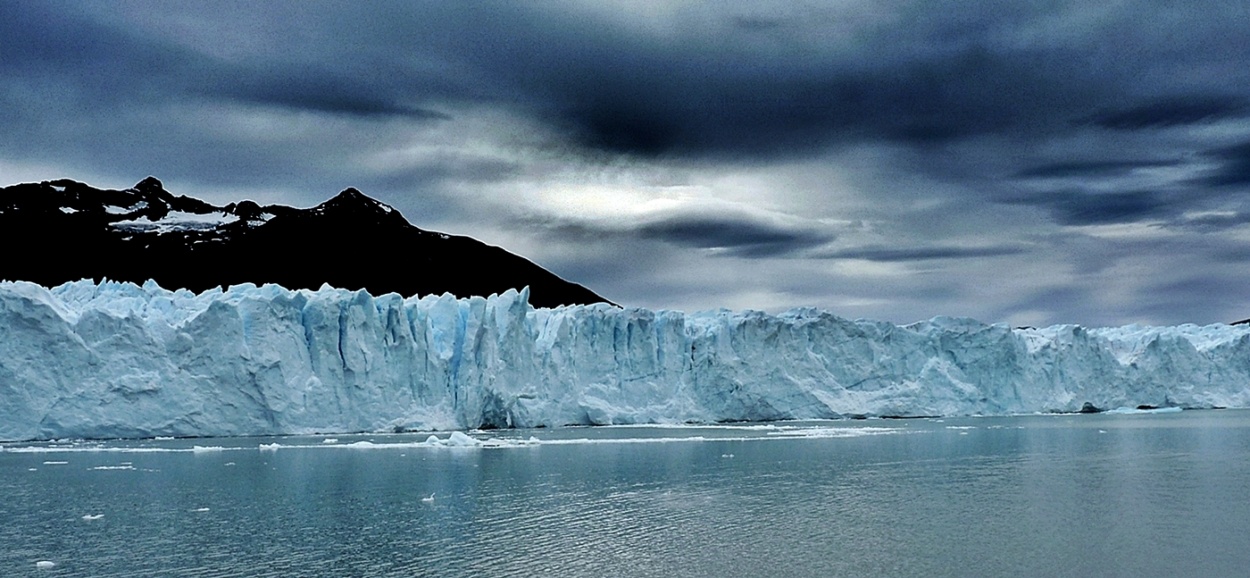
(59, 231)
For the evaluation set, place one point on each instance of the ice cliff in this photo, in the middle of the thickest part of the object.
(119, 360)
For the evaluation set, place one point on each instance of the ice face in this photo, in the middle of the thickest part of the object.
(105, 360)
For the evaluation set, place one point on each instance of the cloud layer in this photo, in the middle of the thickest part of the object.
(1025, 163)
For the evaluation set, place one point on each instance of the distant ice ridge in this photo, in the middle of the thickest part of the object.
(117, 360)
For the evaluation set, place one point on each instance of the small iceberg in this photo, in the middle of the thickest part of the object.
(455, 440)
(461, 440)
(1143, 409)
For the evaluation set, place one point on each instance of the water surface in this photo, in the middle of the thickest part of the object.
(1087, 495)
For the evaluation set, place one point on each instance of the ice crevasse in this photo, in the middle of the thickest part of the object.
(88, 360)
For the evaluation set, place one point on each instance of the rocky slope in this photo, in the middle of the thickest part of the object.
(60, 231)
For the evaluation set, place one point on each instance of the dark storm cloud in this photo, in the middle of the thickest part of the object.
(737, 236)
(61, 55)
(905, 254)
(101, 65)
(1092, 168)
(1234, 166)
(726, 83)
(728, 233)
(936, 73)
(1078, 207)
(738, 110)
(106, 96)
(316, 90)
(1172, 111)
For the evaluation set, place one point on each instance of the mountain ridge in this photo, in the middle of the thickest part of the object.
(64, 230)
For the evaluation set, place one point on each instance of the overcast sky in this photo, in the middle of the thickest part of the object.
(1020, 162)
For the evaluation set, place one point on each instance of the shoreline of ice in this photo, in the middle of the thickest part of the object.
(565, 436)
(116, 360)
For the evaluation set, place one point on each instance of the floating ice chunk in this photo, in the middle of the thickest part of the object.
(270, 447)
(461, 440)
(45, 564)
(832, 432)
(1134, 410)
(90, 517)
(330, 441)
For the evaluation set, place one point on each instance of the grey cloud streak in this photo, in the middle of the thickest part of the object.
(906, 254)
(1173, 111)
(726, 232)
(738, 237)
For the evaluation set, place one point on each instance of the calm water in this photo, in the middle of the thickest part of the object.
(1103, 495)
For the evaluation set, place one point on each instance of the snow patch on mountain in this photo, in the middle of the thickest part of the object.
(177, 221)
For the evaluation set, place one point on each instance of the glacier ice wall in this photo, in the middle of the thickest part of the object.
(118, 360)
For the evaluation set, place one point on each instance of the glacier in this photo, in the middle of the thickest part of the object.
(118, 360)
